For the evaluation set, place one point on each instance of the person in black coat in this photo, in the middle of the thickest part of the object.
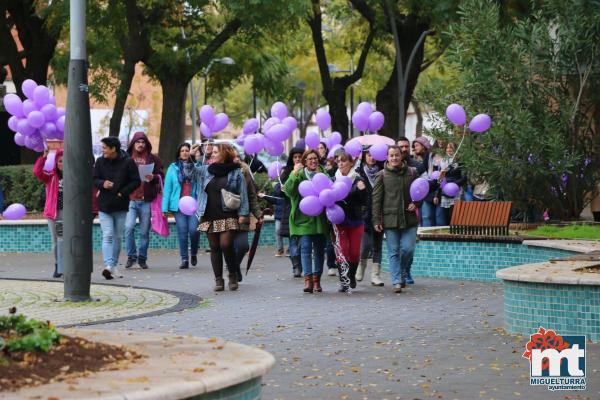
(116, 176)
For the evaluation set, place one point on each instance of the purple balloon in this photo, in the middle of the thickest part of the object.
(271, 122)
(34, 140)
(300, 143)
(443, 183)
(480, 123)
(327, 198)
(333, 150)
(188, 205)
(48, 129)
(456, 114)
(250, 126)
(323, 119)
(274, 169)
(353, 147)
(14, 211)
(279, 110)
(49, 112)
(435, 175)
(335, 214)
(24, 127)
(28, 86)
(207, 115)
(50, 162)
(335, 138)
(340, 190)
(379, 151)
(361, 121)
(19, 139)
(321, 182)
(39, 148)
(261, 140)
(241, 139)
(273, 148)
(60, 111)
(451, 189)
(29, 106)
(36, 119)
(306, 189)
(346, 180)
(365, 108)
(291, 123)
(41, 95)
(13, 105)
(13, 122)
(59, 135)
(221, 122)
(312, 140)
(52, 100)
(252, 144)
(60, 123)
(311, 206)
(376, 121)
(419, 189)
(278, 133)
(205, 130)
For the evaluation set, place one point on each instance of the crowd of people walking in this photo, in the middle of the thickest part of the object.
(378, 205)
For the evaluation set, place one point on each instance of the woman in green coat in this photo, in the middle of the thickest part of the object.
(310, 231)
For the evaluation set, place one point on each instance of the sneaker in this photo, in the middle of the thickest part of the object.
(57, 275)
(143, 264)
(331, 271)
(343, 289)
(279, 253)
(184, 265)
(106, 273)
(397, 288)
(194, 260)
(130, 262)
(116, 273)
(409, 279)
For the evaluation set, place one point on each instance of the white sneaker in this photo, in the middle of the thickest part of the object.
(116, 273)
(331, 271)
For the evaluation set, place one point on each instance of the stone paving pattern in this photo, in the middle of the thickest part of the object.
(439, 339)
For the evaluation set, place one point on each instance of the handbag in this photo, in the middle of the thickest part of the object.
(160, 224)
(231, 200)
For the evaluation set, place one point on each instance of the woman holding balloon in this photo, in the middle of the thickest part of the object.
(179, 192)
(49, 169)
(453, 180)
(309, 230)
(351, 230)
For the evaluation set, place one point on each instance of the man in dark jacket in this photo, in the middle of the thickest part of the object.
(140, 151)
(116, 177)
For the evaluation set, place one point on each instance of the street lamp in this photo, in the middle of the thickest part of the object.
(333, 69)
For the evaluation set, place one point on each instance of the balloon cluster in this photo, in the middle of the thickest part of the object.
(321, 193)
(211, 122)
(37, 118)
(275, 131)
(274, 169)
(14, 211)
(457, 115)
(365, 119)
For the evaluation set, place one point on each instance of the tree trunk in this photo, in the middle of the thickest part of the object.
(121, 98)
(419, 114)
(336, 99)
(173, 117)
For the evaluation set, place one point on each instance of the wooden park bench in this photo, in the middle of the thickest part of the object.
(481, 218)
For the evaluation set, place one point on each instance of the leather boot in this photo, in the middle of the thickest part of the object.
(375, 278)
(353, 266)
(360, 272)
(343, 285)
(308, 284)
(233, 282)
(317, 283)
(219, 284)
(297, 266)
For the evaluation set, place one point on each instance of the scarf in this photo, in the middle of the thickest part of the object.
(370, 172)
(219, 169)
(351, 174)
(185, 170)
(310, 174)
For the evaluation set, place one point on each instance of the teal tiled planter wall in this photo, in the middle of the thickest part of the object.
(36, 238)
(249, 390)
(472, 260)
(567, 309)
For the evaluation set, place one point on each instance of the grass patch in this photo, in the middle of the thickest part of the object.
(590, 232)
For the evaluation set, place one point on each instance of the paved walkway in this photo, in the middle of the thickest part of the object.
(439, 339)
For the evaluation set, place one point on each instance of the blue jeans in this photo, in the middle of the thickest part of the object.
(141, 209)
(432, 215)
(312, 248)
(112, 234)
(294, 246)
(278, 237)
(401, 248)
(187, 226)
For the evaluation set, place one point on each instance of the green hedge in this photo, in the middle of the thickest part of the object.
(20, 186)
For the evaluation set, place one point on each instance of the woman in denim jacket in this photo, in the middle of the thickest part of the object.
(219, 222)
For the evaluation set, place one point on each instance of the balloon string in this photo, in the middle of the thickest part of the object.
(460, 144)
(344, 266)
